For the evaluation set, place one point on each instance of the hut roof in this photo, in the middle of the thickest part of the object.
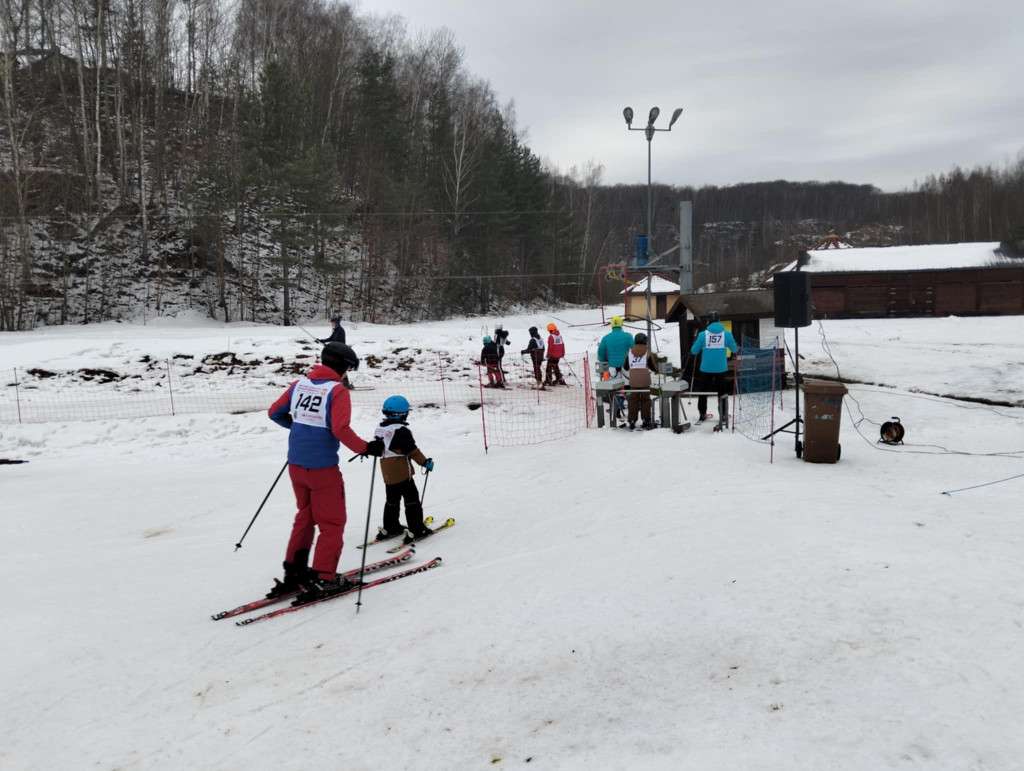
(755, 302)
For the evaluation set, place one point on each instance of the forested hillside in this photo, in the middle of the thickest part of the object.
(273, 160)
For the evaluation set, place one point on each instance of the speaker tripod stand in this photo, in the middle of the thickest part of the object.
(797, 422)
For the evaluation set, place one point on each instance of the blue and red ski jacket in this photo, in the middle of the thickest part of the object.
(323, 424)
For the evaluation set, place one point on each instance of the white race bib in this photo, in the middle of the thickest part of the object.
(387, 433)
(309, 403)
(556, 339)
(714, 339)
(638, 362)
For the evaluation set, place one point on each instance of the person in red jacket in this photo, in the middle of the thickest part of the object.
(556, 350)
(316, 410)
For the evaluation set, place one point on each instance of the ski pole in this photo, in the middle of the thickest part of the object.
(426, 478)
(239, 544)
(366, 535)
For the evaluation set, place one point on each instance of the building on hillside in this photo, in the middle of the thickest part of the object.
(750, 316)
(909, 281)
(664, 294)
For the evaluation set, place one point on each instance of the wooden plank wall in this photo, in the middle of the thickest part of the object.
(991, 291)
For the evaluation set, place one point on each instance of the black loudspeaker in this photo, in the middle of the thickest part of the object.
(792, 299)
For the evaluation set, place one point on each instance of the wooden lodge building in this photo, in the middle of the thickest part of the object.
(908, 281)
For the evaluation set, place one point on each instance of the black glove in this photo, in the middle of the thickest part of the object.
(375, 447)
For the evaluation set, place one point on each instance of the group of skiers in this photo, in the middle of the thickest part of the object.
(629, 356)
(494, 351)
(317, 410)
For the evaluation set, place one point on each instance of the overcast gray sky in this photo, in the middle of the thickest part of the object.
(865, 91)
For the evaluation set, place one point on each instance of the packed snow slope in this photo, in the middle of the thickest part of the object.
(615, 600)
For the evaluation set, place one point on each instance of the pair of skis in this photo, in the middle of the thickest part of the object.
(409, 538)
(263, 602)
(402, 553)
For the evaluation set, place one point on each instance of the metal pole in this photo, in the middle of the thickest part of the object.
(170, 388)
(279, 473)
(650, 136)
(17, 393)
(796, 379)
(366, 535)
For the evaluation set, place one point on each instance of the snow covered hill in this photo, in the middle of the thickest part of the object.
(611, 601)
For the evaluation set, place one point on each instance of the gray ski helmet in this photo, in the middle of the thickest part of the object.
(339, 357)
(640, 339)
(712, 317)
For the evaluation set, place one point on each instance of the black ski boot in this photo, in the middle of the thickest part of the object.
(414, 516)
(384, 534)
(322, 588)
(296, 576)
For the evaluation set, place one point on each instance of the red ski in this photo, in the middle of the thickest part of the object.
(263, 602)
(386, 579)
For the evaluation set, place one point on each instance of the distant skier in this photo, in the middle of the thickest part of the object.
(337, 332)
(638, 364)
(712, 345)
(316, 409)
(396, 467)
(556, 351)
(338, 336)
(535, 349)
(491, 361)
(501, 340)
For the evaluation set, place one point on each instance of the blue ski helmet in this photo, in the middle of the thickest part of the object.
(487, 340)
(396, 407)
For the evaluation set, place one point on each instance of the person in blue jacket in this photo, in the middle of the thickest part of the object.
(614, 346)
(712, 345)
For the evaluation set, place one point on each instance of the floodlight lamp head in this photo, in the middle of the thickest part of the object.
(628, 115)
(675, 116)
(653, 116)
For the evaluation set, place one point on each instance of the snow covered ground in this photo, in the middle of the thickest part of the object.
(613, 600)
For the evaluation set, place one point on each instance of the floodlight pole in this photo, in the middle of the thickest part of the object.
(649, 131)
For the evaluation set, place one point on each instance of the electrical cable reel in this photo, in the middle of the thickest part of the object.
(892, 432)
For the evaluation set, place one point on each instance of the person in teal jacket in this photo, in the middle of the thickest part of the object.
(712, 345)
(614, 346)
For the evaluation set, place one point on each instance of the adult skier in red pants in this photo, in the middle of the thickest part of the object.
(316, 410)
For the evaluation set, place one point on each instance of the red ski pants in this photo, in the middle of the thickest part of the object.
(320, 496)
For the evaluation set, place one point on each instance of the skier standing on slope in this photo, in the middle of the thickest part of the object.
(501, 340)
(712, 345)
(490, 359)
(638, 364)
(316, 409)
(337, 332)
(396, 467)
(337, 336)
(556, 350)
(535, 348)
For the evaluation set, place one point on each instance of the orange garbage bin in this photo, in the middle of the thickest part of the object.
(823, 409)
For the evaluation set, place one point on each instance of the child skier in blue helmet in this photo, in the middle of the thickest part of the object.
(396, 467)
